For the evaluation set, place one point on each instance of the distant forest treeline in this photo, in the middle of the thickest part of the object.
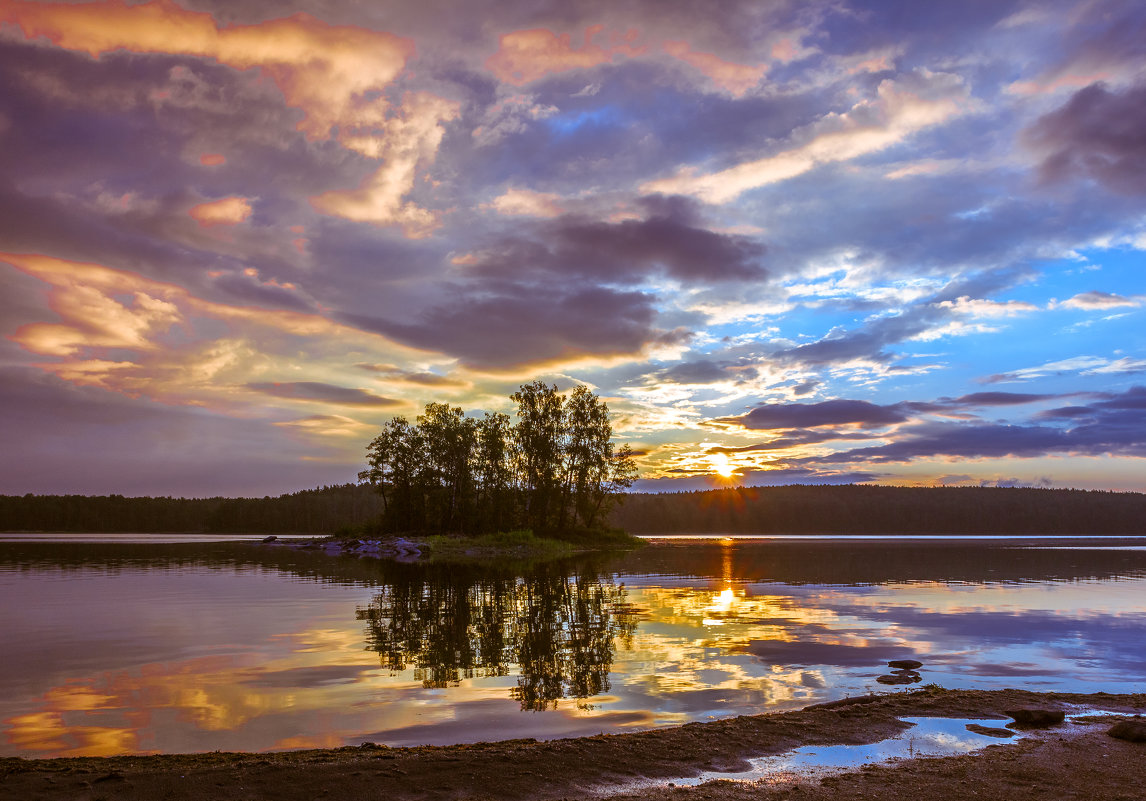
(850, 509)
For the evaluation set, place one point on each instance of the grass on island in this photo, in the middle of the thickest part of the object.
(524, 544)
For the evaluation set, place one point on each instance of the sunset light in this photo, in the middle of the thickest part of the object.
(786, 243)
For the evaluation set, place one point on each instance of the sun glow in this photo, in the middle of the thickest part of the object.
(721, 466)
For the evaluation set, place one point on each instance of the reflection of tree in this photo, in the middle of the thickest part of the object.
(559, 626)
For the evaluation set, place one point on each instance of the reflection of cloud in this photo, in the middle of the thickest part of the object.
(872, 654)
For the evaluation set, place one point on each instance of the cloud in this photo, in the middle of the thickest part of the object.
(1101, 41)
(529, 55)
(1113, 425)
(327, 71)
(1097, 136)
(702, 372)
(811, 415)
(406, 143)
(322, 393)
(736, 79)
(327, 425)
(531, 325)
(83, 439)
(225, 211)
(902, 107)
(999, 399)
(1077, 365)
(120, 331)
(527, 203)
(1089, 301)
(390, 372)
(669, 241)
(335, 74)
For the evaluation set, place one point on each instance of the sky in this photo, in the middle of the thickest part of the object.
(787, 242)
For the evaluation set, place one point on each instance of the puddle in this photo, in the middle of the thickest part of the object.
(928, 737)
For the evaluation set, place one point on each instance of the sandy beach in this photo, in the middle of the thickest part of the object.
(1071, 760)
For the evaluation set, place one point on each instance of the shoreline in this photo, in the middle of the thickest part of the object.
(530, 769)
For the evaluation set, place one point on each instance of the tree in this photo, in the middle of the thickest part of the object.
(553, 469)
(538, 441)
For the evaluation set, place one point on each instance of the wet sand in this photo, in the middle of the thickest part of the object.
(1064, 762)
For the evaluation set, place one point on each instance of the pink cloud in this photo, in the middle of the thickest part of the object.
(325, 70)
(526, 56)
(736, 79)
(226, 211)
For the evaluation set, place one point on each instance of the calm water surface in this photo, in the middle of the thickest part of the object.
(200, 646)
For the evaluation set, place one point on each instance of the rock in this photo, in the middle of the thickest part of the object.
(990, 731)
(905, 664)
(1036, 718)
(904, 677)
(1133, 730)
(271, 538)
(861, 699)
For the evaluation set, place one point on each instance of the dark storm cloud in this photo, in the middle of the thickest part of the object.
(530, 324)
(1097, 134)
(825, 413)
(670, 240)
(324, 393)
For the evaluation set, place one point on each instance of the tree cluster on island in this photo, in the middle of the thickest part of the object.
(554, 470)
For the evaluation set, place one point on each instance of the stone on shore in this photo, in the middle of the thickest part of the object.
(1033, 718)
(905, 664)
(271, 538)
(1133, 730)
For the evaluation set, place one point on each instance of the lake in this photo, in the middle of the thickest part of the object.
(133, 647)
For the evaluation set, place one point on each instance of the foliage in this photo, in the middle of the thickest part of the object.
(850, 509)
(553, 470)
(867, 509)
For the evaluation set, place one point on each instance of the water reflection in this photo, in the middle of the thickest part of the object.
(119, 648)
(558, 627)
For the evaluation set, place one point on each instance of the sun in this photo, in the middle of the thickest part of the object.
(721, 466)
